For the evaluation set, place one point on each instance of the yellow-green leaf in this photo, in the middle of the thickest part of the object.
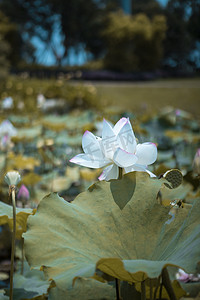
(6, 217)
(120, 219)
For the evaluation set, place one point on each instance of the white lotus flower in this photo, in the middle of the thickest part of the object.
(6, 128)
(117, 148)
(7, 103)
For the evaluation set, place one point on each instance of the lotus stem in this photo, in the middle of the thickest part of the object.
(22, 261)
(117, 287)
(167, 284)
(143, 290)
(6, 161)
(120, 173)
(156, 288)
(160, 292)
(151, 289)
(12, 188)
(175, 157)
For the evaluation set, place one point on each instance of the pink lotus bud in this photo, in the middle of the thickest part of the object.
(196, 162)
(23, 193)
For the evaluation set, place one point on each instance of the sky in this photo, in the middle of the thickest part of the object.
(46, 57)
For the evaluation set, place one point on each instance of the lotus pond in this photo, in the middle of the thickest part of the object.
(134, 233)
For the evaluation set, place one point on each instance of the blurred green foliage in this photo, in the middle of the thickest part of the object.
(4, 46)
(11, 42)
(82, 26)
(147, 7)
(26, 90)
(134, 43)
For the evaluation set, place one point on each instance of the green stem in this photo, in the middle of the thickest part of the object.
(23, 203)
(22, 262)
(160, 292)
(151, 289)
(117, 289)
(6, 162)
(156, 288)
(120, 173)
(143, 290)
(13, 243)
(167, 284)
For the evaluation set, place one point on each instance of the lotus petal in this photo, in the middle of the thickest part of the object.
(124, 159)
(146, 153)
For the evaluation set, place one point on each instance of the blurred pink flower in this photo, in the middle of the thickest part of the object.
(182, 276)
(23, 193)
(185, 277)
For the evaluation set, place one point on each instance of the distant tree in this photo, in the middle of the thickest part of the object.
(178, 43)
(194, 19)
(134, 43)
(183, 22)
(31, 18)
(5, 28)
(147, 7)
(82, 22)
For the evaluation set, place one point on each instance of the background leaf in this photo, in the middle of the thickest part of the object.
(6, 217)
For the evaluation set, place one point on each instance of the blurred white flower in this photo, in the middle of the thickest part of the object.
(6, 128)
(20, 105)
(196, 163)
(12, 178)
(117, 148)
(7, 103)
(40, 100)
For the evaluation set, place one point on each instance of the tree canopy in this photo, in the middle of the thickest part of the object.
(134, 43)
(88, 26)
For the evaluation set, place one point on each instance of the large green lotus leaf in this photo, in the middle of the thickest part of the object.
(85, 289)
(120, 220)
(30, 285)
(6, 217)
